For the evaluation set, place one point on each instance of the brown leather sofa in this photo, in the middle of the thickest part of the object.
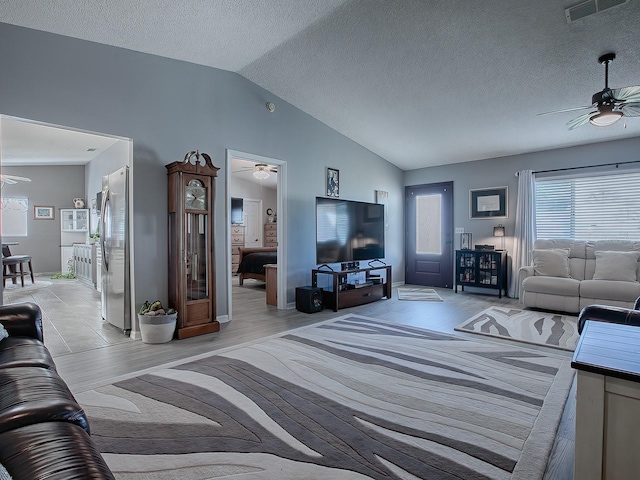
(605, 313)
(44, 433)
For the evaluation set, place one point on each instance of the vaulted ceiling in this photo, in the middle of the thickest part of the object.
(418, 82)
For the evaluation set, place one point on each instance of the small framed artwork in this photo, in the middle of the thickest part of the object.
(333, 182)
(465, 241)
(488, 203)
(43, 213)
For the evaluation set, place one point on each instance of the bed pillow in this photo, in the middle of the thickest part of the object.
(552, 262)
(616, 266)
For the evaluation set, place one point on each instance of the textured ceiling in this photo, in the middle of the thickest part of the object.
(420, 83)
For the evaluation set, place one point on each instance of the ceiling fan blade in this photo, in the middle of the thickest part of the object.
(15, 177)
(631, 109)
(627, 94)
(564, 110)
(580, 120)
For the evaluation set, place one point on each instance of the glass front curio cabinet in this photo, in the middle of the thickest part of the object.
(192, 289)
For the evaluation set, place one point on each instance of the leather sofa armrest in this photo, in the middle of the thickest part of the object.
(22, 320)
(605, 313)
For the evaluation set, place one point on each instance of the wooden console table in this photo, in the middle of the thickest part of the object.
(342, 293)
(607, 402)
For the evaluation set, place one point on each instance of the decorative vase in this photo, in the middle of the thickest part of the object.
(157, 328)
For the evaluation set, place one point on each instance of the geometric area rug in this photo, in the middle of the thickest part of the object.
(351, 398)
(528, 326)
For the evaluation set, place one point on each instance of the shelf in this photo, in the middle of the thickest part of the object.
(341, 295)
(481, 268)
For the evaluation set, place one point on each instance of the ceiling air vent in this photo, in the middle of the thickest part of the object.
(590, 7)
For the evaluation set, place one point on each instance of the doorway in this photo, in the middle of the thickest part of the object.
(261, 171)
(429, 235)
(62, 165)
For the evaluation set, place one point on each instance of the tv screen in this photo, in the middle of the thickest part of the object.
(348, 231)
(237, 215)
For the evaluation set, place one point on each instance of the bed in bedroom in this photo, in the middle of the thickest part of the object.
(252, 262)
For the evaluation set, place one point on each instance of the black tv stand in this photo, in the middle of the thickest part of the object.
(342, 294)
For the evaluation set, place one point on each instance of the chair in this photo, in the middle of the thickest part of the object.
(605, 313)
(13, 267)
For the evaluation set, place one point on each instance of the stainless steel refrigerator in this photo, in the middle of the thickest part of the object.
(114, 239)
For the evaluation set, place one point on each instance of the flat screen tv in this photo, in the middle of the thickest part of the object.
(348, 231)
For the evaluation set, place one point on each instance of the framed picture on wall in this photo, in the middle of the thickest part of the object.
(488, 203)
(43, 213)
(333, 182)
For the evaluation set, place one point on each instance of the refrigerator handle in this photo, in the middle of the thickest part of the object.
(103, 228)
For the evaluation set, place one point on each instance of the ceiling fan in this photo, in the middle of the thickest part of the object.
(260, 170)
(608, 105)
(11, 179)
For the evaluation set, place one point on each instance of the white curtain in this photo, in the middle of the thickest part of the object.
(525, 232)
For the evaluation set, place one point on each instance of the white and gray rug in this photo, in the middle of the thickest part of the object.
(419, 294)
(528, 326)
(351, 398)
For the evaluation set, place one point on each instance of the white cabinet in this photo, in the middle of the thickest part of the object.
(66, 256)
(74, 228)
(74, 220)
(84, 257)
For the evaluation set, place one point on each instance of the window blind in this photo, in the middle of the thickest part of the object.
(589, 207)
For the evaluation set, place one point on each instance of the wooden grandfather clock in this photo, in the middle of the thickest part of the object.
(192, 280)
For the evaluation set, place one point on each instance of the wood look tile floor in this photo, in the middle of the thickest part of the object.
(90, 352)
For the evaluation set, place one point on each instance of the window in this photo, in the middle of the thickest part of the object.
(14, 216)
(589, 207)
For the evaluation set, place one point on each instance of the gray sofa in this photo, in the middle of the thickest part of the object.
(567, 275)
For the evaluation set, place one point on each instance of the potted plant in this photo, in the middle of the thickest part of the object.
(157, 325)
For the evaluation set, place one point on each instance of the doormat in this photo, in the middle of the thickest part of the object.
(418, 294)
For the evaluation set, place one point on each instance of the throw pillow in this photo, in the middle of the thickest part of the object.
(4, 475)
(3, 332)
(616, 265)
(552, 262)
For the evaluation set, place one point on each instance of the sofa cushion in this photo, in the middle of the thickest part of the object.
(577, 253)
(52, 450)
(33, 395)
(610, 290)
(24, 352)
(612, 265)
(609, 246)
(553, 262)
(569, 287)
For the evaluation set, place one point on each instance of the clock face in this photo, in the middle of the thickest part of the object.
(196, 195)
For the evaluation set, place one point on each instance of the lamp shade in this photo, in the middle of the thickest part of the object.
(498, 231)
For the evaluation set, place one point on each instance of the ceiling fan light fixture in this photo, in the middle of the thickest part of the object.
(260, 172)
(605, 118)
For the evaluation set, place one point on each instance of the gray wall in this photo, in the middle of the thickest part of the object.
(55, 186)
(170, 107)
(498, 172)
